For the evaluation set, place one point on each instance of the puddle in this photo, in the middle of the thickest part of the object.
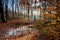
(24, 30)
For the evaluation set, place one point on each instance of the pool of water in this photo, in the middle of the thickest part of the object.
(22, 30)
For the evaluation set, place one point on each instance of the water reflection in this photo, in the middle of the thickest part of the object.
(24, 30)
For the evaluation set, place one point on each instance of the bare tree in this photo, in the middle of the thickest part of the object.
(13, 8)
(6, 9)
(35, 10)
(31, 9)
(18, 8)
(1, 12)
(28, 9)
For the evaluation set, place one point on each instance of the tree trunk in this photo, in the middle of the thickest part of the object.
(18, 9)
(6, 9)
(28, 10)
(13, 8)
(1, 12)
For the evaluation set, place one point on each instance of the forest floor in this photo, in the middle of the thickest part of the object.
(46, 33)
(13, 23)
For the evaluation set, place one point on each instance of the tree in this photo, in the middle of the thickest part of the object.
(18, 7)
(13, 8)
(28, 9)
(6, 9)
(1, 12)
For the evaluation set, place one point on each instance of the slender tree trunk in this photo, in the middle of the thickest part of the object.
(13, 8)
(6, 9)
(18, 9)
(28, 10)
(35, 10)
(31, 10)
(24, 12)
(35, 4)
(18, 12)
(40, 10)
(28, 13)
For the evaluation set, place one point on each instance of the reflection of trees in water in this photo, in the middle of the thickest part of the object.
(24, 30)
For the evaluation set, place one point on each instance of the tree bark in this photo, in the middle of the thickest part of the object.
(13, 8)
(28, 10)
(6, 9)
(1, 12)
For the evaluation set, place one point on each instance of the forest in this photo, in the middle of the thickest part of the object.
(29, 19)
